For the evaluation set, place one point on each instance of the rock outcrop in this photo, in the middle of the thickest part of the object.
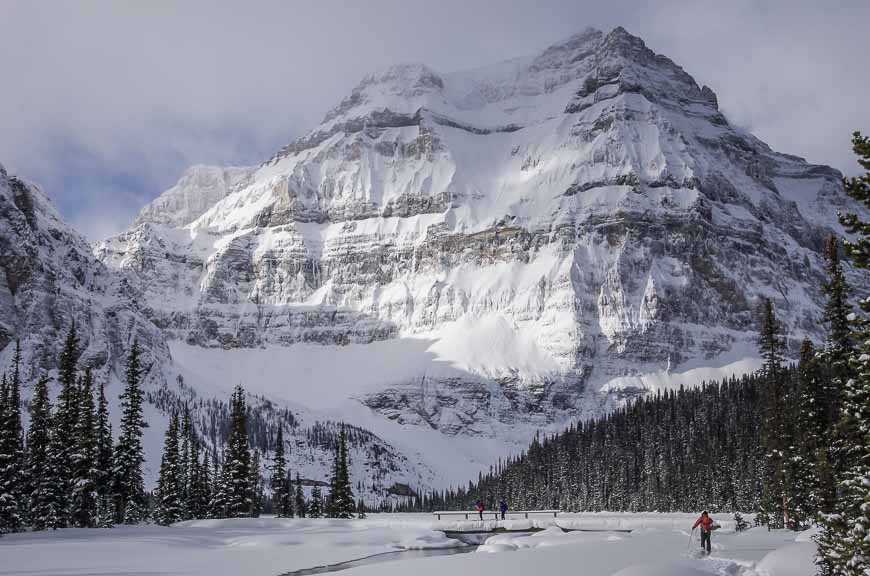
(49, 279)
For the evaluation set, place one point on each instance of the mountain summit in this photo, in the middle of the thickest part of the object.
(489, 252)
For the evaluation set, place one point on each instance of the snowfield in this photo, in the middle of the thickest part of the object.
(658, 544)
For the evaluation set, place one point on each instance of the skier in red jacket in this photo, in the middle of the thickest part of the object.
(707, 525)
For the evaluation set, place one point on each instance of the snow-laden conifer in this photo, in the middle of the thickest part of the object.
(169, 507)
(237, 460)
(85, 458)
(129, 487)
(13, 473)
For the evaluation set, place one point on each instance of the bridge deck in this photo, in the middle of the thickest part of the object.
(496, 514)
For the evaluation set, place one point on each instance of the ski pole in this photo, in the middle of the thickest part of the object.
(691, 536)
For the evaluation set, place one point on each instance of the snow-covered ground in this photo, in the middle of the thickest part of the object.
(658, 544)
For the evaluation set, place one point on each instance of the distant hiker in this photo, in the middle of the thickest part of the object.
(479, 507)
(707, 526)
(502, 507)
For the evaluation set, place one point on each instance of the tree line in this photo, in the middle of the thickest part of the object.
(194, 486)
(67, 470)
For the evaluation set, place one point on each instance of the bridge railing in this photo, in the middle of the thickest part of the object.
(496, 514)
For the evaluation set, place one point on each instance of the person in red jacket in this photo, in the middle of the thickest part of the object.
(706, 524)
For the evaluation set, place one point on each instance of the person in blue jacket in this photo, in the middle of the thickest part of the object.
(502, 507)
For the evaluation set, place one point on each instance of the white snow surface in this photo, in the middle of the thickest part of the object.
(657, 545)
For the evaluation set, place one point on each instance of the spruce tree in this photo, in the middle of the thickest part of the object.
(12, 458)
(18, 464)
(58, 473)
(278, 479)
(237, 463)
(197, 497)
(858, 188)
(105, 507)
(286, 504)
(38, 437)
(169, 508)
(315, 505)
(6, 500)
(844, 545)
(256, 485)
(770, 341)
(86, 457)
(838, 341)
(129, 487)
(845, 540)
(329, 509)
(340, 500)
(63, 439)
(838, 347)
(217, 507)
(808, 463)
(185, 470)
(203, 489)
(299, 501)
(770, 344)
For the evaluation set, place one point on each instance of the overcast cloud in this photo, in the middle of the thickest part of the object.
(105, 103)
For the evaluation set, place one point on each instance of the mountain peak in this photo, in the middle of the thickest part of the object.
(620, 32)
(588, 34)
(399, 81)
(199, 188)
(568, 51)
(407, 74)
(624, 58)
(591, 41)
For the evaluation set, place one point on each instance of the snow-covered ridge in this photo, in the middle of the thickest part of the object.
(198, 189)
(499, 93)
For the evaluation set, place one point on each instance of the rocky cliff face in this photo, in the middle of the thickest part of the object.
(511, 246)
(49, 279)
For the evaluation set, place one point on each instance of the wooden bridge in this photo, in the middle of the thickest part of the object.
(496, 514)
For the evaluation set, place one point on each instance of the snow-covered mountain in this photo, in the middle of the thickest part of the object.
(50, 278)
(453, 261)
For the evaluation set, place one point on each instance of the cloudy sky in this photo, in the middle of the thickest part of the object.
(105, 103)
